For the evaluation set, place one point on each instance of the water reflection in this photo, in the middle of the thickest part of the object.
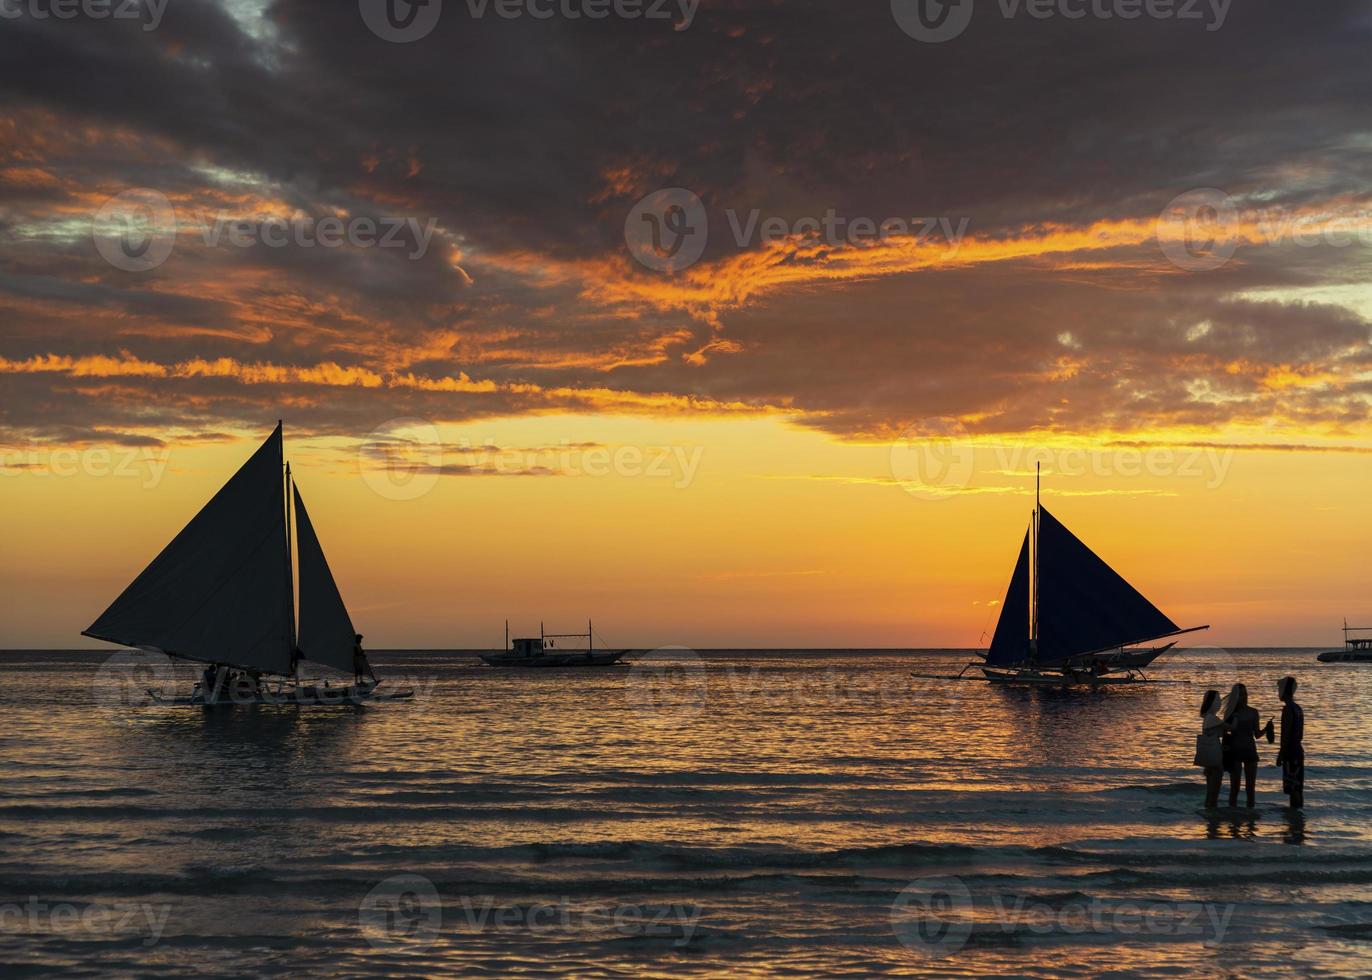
(1295, 827)
(791, 802)
(1233, 825)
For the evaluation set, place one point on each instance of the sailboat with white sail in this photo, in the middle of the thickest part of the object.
(223, 593)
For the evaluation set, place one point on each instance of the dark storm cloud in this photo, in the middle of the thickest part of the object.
(526, 141)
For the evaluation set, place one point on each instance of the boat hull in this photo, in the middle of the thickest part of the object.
(1346, 657)
(1035, 678)
(303, 696)
(546, 660)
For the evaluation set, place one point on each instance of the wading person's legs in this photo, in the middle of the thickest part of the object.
(1214, 779)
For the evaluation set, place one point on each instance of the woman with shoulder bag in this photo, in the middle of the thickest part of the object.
(1209, 751)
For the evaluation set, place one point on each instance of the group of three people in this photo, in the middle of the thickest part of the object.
(1229, 743)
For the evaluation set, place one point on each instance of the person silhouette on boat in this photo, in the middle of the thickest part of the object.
(1209, 750)
(361, 668)
(1242, 728)
(1291, 755)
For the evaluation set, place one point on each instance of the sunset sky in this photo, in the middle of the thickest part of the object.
(1135, 251)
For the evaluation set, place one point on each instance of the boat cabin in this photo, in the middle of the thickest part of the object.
(529, 647)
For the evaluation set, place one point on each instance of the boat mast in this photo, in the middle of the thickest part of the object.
(1034, 581)
(290, 571)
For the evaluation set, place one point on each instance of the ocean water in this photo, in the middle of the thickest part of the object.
(721, 814)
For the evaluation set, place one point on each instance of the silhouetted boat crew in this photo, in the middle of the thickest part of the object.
(361, 666)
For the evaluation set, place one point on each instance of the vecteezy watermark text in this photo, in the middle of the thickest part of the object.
(95, 920)
(936, 917)
(675, 920)
(936, 21)
(669, 229)
(404, 458)
(834, 229)
(136, 230)
(406, 910)
(939, 459)
(148, 11)
(670, 685)
(330, 232)
(145, 462)
(1200, 230)
(403, 21)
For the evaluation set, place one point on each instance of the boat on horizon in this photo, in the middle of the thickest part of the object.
(223, 593)
(1069, 618)
(1356, 649)
(541, 651)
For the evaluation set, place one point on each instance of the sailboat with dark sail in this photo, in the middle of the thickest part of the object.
(1069, 618)
(223, 594)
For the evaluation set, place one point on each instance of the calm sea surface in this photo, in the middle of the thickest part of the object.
(722, 815)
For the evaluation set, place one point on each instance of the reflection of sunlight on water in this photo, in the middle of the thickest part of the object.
(793, 807)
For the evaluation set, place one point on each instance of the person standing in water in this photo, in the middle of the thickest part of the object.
(1291, 755)
(1209, 754)
(361, 667)
(1241, 744)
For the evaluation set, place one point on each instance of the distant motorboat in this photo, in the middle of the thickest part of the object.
(541, 651)
(1356, 649)
(223, 593)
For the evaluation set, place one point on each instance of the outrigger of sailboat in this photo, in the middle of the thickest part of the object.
(1069, 618)
(541, 651)
(222, 593)
(1356, 649)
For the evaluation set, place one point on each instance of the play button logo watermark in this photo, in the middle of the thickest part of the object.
(135, 230)
(667, 231)
(401, 21)
(932, 21)
(933, 916)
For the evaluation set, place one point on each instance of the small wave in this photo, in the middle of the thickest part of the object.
(1191, 855)
(224, 833)
(668, 855)
(1349, 930)
(1165, 789)
(1234, 877)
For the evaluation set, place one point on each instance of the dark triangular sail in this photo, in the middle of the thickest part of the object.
(1084, 606)
(1010, 645)
(220, 592)
(326, 630)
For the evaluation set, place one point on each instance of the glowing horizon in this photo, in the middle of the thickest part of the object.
(580, 239)
(811, 541)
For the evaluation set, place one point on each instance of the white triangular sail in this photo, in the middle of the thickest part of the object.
(221, 591)
(326, 630)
